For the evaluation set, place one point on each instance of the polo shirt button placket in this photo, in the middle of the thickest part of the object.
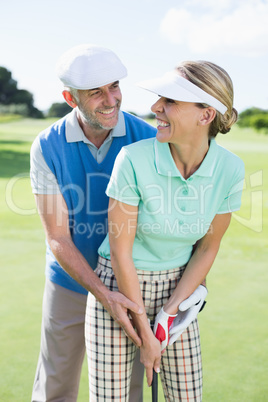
(185, 191)
(98, 155)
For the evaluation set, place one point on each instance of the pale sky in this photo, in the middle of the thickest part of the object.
(150, 37)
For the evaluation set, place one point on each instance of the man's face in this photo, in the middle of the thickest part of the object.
(99, 107)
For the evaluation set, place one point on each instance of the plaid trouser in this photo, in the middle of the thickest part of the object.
(111, 354)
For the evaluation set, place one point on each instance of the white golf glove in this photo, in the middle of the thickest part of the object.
(188, 311)
(162, 324)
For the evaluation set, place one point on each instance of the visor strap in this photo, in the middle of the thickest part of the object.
(204, 96)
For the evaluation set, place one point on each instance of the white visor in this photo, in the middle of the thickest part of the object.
(175, 87)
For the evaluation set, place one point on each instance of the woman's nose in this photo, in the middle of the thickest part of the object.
(157, 106)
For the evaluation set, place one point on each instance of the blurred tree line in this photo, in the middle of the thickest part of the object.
(59, 109)
(14, 100)
(20, 102)
(255, 118)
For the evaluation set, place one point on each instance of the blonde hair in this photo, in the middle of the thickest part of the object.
(215, 81)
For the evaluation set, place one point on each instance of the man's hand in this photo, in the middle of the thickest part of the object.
(188, 311)
(162, 324)
(117, 306)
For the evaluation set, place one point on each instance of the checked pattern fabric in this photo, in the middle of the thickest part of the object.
(111, 354)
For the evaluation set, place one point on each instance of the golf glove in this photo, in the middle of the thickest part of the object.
(188, 311)
(162, 324)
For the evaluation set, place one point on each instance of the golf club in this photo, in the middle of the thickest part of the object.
(155, 375)
(155, 387)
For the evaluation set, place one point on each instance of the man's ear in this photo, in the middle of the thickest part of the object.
(207, 116)
(69, 98)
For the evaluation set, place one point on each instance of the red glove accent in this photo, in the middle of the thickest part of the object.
(162, 325)
(160, 332)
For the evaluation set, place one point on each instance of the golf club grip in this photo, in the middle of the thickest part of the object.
(155, 387)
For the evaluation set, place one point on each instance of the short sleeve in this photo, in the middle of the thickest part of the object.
(123, 184)
(232, 201)
(43, 180)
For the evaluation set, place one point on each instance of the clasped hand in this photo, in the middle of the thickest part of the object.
(150, 357)
(118, 307)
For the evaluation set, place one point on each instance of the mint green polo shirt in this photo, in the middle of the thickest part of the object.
(173, 212)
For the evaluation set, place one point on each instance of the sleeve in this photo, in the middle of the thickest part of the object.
(232, 201)
(43, 181)
(123, 185)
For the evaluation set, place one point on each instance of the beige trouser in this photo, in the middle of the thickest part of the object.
(111, 354)
(63, 348)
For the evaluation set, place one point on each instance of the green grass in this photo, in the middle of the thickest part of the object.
(6, 118)
(233, 324)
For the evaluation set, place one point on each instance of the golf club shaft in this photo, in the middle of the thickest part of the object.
(155, 387)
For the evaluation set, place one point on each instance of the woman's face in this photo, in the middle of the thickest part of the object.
(176, 121)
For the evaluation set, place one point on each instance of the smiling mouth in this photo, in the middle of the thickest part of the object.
(107, 112)
(162, 123)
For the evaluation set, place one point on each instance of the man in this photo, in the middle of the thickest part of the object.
(71, 163)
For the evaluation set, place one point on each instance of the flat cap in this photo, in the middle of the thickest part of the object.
(89, 66)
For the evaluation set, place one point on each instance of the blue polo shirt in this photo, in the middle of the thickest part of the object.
(173, 212)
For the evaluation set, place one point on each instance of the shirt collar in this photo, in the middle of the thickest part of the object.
(74, 132)
(166, 166)
(207, 167)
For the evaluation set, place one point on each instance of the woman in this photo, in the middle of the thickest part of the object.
(171, 200)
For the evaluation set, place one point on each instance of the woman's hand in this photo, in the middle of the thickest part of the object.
(150, 356)
(163, 322)
(122, 231)
(188, 311)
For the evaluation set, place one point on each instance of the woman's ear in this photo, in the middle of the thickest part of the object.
(207, 116)
(69, 98)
